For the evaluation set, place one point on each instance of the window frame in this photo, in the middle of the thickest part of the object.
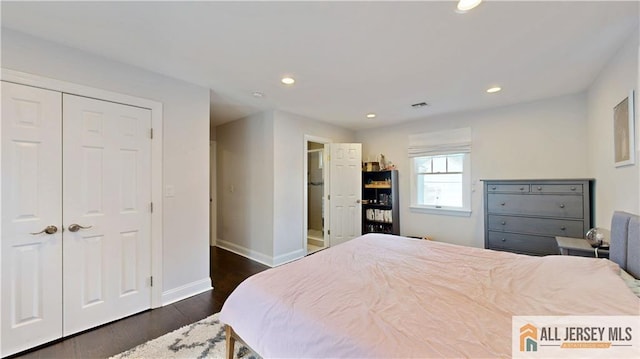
(464, 211)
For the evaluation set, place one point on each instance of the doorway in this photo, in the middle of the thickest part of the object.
(315, 196)
(316, 190)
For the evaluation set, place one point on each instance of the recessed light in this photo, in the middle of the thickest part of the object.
(288, 80)
(466, 5)
(258, 94)
(371, 115)
(494, 89)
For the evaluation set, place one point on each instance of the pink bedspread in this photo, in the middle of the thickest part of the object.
(386, 296)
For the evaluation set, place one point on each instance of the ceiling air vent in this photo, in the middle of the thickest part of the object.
(419, 105)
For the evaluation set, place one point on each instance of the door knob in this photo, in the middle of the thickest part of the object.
(76, 227)
(357, 201)
(47, 230)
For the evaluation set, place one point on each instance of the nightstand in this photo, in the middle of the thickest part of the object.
(580, 247)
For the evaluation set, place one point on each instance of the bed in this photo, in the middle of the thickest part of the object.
(381, 296)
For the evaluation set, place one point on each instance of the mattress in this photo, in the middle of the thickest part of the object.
(381, 296)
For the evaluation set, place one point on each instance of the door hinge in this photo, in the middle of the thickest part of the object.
(329, 232)
(151, 205)
(329, 197)
(151, 133)
(151, 281)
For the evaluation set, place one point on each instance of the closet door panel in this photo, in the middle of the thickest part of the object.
(107, 190)
(31, 145)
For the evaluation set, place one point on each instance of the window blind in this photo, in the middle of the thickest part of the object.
(440, 143)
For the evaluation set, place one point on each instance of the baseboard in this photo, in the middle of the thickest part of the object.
(186, 291)
(245, 252)
(288, 257)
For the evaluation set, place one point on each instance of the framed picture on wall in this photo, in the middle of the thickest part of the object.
(624, 132)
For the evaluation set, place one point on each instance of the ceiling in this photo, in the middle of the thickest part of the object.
(349, 58)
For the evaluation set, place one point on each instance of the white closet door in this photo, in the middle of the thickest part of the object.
(346, 191)
(107, 190)
(31, 201)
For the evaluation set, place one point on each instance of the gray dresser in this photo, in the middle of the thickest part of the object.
(525, 216)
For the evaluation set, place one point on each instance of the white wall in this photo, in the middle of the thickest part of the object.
(261, 183)
(245, 186)
(543, 139)
(185, 145)
(616, 188)
(289, 173)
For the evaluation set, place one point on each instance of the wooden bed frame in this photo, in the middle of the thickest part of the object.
(625, 251)
(231, 339)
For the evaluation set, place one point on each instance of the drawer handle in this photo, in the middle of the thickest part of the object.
(502, 204)
(522, 188)
(562, 205)
(494, 187)
(573, 188)
(563, 228)
(504, 239)
(503, 223)
(539, 188)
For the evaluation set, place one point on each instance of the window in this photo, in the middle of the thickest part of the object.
(440, 172)
(440, 182)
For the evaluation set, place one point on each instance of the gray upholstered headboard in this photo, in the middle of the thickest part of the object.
(625, 242)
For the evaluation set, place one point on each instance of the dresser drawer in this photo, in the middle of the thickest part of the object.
(556, 188)
(517, 188)
(564, 206)
(523, 243)
(544, 226)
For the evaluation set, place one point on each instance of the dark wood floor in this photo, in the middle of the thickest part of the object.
(227, 271)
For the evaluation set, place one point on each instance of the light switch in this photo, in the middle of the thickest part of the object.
(169, 191)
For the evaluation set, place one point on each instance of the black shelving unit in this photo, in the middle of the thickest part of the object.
(380, 209)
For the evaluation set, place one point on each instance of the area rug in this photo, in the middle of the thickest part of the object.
(203, 339)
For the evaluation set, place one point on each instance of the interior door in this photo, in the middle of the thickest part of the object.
(345, 191)
(107, 211)
(31, 235)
